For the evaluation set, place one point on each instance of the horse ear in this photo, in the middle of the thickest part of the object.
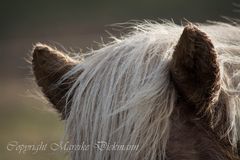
(195, 70)
(49, 65)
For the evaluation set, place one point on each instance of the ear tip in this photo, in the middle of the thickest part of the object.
(42, 52)
(41, 55)
(40, 48)
(192, 35)
(191, 29)
(45, 56)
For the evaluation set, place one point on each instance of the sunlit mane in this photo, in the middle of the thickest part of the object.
(125, 94)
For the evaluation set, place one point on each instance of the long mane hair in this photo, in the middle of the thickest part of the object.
(125, 94)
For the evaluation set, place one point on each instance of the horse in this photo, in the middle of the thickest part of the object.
(173, 91)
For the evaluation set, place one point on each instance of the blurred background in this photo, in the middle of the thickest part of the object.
(74, 26)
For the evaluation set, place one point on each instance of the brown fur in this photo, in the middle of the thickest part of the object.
(192, 138)
(195, 70)
(49, 65)
(196, 75)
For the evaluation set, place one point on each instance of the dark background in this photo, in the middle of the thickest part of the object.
(76, 24)
(73, 25)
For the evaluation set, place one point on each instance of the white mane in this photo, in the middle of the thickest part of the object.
(125, 94)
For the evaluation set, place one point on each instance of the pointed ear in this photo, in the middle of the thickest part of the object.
(195, 70)
(49, 65)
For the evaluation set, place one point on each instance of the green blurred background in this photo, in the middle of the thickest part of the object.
(73, 25)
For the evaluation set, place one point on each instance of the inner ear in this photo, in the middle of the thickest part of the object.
(195, 70)
(49, 66)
